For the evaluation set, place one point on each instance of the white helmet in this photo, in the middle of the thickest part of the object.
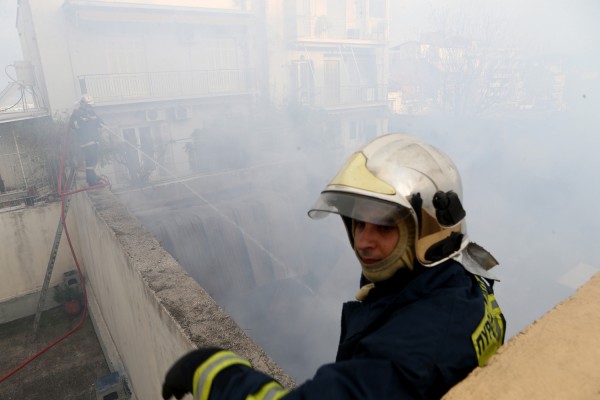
(86, 99)
(402, 176)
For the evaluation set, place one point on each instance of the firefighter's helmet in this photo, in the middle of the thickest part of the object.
(86, 100)
(402, 177)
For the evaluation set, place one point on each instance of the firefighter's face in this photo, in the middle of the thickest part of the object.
(374, 243)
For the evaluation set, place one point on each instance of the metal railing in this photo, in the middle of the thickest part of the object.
(168, 84)
(351, 96)
(23, 178)
(336, 28)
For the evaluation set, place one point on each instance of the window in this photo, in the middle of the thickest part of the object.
(332, 82)
(138, 152)
(377, 8)
(216, 65)
(125, 55)
(303, 81)
(215, 54)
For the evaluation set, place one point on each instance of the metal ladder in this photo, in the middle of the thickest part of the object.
(53, 253)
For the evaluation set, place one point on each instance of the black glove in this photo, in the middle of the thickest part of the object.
(179, 378)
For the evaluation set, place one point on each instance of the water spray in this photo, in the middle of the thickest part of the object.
(176, 179)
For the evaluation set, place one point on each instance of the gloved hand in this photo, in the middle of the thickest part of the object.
(179, 378)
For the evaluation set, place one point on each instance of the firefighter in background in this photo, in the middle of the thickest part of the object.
(87, 125)
(425, 315)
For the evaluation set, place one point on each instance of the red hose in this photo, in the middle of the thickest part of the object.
(63, 194)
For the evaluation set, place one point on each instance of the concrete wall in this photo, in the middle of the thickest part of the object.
(27, 236)
(556, 357)
(153, 309)
(47, 32)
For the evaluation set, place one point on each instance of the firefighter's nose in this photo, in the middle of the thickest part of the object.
(364, 236)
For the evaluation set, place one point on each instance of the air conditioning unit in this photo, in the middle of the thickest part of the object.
(181, 112)
(155, 115)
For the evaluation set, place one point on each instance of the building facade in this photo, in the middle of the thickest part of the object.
(165, 74)
(333, 57)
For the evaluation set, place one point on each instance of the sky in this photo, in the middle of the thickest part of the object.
(541, 26)
(531, 189)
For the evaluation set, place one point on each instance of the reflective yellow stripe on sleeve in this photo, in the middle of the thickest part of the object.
(489, 334)
(205, 373)
(270, 391)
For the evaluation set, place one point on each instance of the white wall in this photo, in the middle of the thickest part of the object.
(27, 236)
(50, 33)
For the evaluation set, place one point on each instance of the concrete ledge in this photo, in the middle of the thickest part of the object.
(154, 310)
(557, 357)
(24, 305)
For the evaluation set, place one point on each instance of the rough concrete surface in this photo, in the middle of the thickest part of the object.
(200, 318)
(557, 357)
(67, 371)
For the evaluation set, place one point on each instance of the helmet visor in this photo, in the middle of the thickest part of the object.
(355, 206)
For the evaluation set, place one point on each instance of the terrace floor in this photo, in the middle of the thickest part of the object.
(67, 371)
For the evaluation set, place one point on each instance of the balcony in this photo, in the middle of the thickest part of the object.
(163, 85)
(329, 28)
(345, 96)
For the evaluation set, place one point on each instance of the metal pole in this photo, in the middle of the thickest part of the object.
(51, 260)
(12, 128)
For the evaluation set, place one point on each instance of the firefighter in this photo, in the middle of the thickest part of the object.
(87, 125)
(425, 315)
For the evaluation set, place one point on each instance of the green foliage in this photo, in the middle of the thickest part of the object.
(40, 142)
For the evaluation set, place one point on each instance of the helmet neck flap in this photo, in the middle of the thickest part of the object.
(402, 256)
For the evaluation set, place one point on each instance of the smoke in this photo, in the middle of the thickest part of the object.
(529, 176)
(280, 275)
(528, 182)
(529, 198)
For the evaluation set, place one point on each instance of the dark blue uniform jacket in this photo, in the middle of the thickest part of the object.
(414, 337)
(87, 125)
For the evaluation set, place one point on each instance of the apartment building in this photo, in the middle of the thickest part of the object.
(333, 56)
(157, 70)
(164, 74)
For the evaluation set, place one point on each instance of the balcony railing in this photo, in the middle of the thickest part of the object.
(158, 85)
(351, 96)
(333, 28)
